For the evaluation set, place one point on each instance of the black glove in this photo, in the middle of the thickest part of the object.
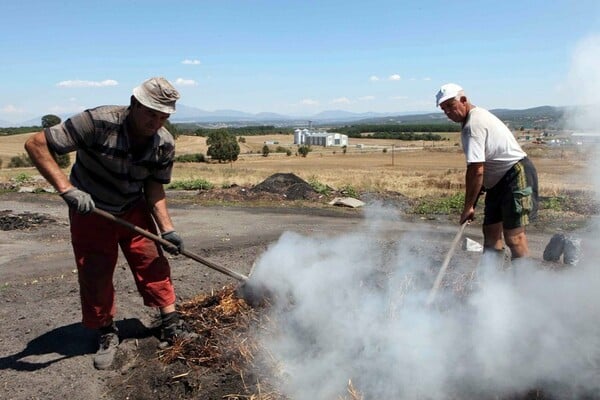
(79, 200)
(174, 238)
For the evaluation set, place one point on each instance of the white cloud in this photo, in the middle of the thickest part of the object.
(373, 78)
(185, 82)
(398, 97)
(341, 100)
(427, 78)
(309, 102)
(81, 84)
(10, 109)
(367, 98)
(394, 77)
(191, 62)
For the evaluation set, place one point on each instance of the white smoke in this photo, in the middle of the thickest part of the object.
(582, 86)
(353, 307)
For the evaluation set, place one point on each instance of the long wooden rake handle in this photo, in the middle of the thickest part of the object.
(158, 239)
(442, 271)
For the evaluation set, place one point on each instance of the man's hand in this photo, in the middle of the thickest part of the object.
(79, 200)
(174, 238)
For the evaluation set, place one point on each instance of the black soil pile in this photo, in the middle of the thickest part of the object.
(10, 221)
(289, 186)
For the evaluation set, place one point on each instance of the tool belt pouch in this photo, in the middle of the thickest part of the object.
(522, 200)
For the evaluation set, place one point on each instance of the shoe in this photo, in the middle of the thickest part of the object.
(108, 343)
(174, 329)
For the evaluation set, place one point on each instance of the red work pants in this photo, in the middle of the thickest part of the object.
(96, 241)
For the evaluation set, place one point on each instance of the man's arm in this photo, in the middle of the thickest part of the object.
(473, 186)
(37, 149)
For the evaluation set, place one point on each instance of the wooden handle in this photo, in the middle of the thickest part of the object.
(442, 271)
(158, 239)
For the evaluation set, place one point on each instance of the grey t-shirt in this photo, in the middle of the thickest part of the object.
(105, 166)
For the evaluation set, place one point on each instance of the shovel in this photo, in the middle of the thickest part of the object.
(254, 293)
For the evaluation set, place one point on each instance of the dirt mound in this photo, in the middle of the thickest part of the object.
(288, 185)
(10, 221)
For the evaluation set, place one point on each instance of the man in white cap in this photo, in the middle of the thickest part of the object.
(124, 157)
(497, 164)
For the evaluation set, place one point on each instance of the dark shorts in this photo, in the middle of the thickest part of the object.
(514, 199)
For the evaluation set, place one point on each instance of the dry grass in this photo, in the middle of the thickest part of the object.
(415, 169)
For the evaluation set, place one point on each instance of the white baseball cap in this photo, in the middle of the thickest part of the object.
(446, 92)
(158, 94)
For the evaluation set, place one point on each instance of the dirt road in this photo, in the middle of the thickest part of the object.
(44, 351)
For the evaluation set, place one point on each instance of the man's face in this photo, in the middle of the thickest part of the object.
(146, 121)
(456, 110)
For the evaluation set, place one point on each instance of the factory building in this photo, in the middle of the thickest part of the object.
(315, 138)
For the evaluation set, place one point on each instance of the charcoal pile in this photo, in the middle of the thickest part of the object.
(10, 221)
(289, 186)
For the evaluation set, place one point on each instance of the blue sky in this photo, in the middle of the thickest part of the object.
(290, 57)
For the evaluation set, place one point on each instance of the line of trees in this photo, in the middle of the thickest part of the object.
(358, 130)
(241, 131)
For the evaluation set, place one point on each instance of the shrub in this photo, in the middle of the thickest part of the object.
(441, 205)
(350, 191)
(191, 184)
(63, 160)
(304, 150)
(187, 158)
(319, 187)
(20, 161)
(21, 178)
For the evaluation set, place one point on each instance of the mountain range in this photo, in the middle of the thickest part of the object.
(544, 116)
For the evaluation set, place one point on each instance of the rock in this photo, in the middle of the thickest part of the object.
(347, 202)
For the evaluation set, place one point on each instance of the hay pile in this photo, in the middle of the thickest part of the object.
(225, 323)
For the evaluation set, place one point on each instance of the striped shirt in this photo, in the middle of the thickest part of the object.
(105, 166)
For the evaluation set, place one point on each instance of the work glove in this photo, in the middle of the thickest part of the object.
(79, 200)
(174, 238)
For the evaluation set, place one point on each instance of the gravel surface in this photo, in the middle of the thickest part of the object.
(46, 353)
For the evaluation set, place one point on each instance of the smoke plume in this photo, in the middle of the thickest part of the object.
(353, 307)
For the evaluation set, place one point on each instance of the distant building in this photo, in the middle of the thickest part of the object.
(315, 138)
(586, 137)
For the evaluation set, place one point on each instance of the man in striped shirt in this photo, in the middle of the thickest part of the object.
(124, 157)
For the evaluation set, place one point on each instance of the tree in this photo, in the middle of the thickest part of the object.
(49, 120)
(222, 146)
(171, 128)
(265, 151)
(63, 160)
(304, 150)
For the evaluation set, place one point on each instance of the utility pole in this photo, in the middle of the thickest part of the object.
(392, 155)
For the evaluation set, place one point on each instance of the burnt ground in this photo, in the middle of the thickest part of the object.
(46, 353)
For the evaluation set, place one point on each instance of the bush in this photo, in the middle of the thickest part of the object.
(191, 184)
(20, 161)
(304, 150)
(441, 205)
(22, 178)
(319, 187)
(187, 158)
(62, 160)
(350, 191)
